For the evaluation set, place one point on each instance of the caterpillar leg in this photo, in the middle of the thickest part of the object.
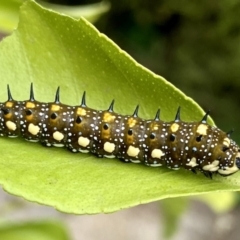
(208, 174)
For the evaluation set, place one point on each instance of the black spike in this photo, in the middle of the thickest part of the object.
(57, 96)
(31, 93)
(9, 94)
(194, 170)
(208, 174)
(110, 109)
(230, 132)
(135, 114)
(83, 103)
(177, 118)
(204, 120)
(157, 116)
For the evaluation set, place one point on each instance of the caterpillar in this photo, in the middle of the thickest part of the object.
(195, 146)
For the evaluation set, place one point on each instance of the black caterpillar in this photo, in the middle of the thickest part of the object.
(195, 146)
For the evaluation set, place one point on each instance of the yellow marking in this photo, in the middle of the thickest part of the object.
(9, 104)
(130, 139)
(157, 153)
(132, 151)
(132, 122)
(108, 117)
(202, 129)
(226, 142)
(83, 141)
(109, 147)
(81, 111)
(11, 125)
(29, 118)
(174, 127)
(105, 133)
(30, 105)
(230, 170)
(55, 108)
(58, 136)
(193, 162)
(33, 129)
(212, 167)
(155, 127)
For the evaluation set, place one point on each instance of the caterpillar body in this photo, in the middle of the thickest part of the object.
(195, 146)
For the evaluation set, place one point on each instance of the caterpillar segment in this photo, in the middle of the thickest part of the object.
(195, 146)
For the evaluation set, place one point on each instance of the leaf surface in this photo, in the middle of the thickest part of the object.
(52, 50)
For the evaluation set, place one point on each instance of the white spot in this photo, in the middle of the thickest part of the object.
(109, 147)
(193, 162)
(109, 156)
(155, 165)
(84, 142)
(132, 151)
(33, 129)
(135, 161)
(58, 136)
(84, 150)
(32, 140)
(212, 167)
(13, 136)
(157, 153)
(11, 125)
(58, 145)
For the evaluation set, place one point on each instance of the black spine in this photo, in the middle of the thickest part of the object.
(204, 119)
(157, 116)
(57, 96)
(230, 132)
(177, 118)
(9, 94)
(135, 114)
(32, 99)
(83, 103)
(110, 109)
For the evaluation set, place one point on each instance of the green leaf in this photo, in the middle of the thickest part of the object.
(9, 12)
(44, 230)
(49, 49)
